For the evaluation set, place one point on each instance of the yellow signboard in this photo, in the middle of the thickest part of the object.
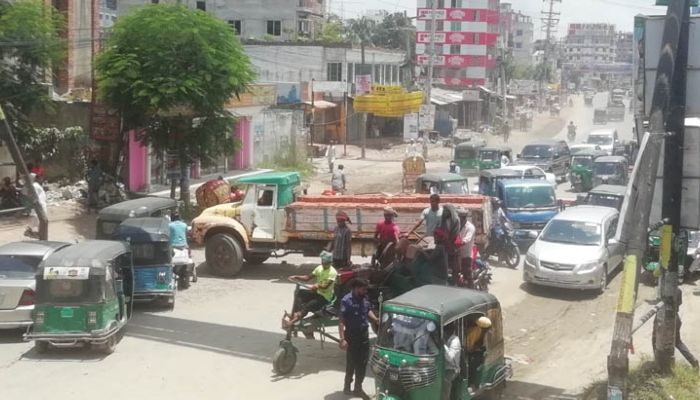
(389, 104)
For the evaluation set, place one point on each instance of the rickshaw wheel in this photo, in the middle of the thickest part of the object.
(41, 347)
(284, 360)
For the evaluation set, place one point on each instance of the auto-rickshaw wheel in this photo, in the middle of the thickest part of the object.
(110, 345)
(284, 360)
(41, 347)
(495, 393)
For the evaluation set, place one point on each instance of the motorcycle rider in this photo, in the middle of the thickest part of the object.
(571, 130)
(500, 220)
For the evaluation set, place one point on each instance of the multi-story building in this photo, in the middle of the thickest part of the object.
(272, 20)
(465, 40)
(518, 32)
(591, 44)
(625, 48)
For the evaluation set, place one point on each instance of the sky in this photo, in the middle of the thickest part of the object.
(618, 12)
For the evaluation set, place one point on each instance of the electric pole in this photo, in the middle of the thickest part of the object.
(431, 52)
(550, 22)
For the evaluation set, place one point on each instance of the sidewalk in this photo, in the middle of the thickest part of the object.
(164, 190)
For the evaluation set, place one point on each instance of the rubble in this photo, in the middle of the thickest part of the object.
(58, 194)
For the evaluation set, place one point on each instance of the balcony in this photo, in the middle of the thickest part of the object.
(310, 7)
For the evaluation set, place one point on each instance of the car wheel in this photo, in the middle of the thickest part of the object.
(224, 255)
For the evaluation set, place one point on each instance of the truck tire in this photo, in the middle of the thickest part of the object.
(256, 258)
(224, 255)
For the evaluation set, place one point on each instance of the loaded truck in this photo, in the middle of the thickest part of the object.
(274, 219)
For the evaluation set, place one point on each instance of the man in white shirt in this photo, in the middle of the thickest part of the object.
(467, 233)
(330, 156)
(411, 150)
(33, 228)
(431, 215)
(453, 352)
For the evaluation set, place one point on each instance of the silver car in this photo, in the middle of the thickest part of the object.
(577, 249)
(18, 263)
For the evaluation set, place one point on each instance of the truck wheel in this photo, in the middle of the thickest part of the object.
(256, 258)
(224, 255)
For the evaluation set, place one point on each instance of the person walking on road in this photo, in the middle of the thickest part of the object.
(330, 156)
(454, 168)
(411, 149)
(467, 232)
(94, 178)
(355, 316)
(341, 246)
(338, 179)
(32, 230)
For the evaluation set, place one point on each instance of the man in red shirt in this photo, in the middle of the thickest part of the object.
(386, 232)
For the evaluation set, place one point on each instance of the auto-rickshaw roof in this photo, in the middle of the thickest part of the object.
(448, 302)
(442, 177)
(500, 172)
(95, 254)
(34, 248)
(617, 190)
(468, 145)
(611, 159)
(272, 178)
(589, 152)
(496, 148)
(137, 207)
(142, 230)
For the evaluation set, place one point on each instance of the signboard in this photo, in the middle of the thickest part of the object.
(471, 95)
(288, 93)
(333, 87)
(255, 95)
(464, 82)
(410, 126)
(387, 89)
(70, 273)
(456, 61)
(426, 117)
(363, 84)
(459, 14)
(475, 38)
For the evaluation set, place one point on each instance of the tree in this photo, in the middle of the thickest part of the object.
(395, 32)
(332, 31)
(168, 71)
(29, 45)
(360, 31)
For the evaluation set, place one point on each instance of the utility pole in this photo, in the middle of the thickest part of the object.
(550, 22)
(9, 139)
(431, 52)
(638, 205)
(669, 257)
(504, 86)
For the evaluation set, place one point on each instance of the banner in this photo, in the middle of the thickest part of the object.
(363, 84)
(426, 117)
(410, 126)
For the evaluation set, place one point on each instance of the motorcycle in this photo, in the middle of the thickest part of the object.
(183, 267)
(501, 244)
(482, 275)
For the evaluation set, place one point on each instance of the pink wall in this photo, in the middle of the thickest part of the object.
(138, 154)
(242, 158)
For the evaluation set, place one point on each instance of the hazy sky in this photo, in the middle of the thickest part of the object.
(619, 12)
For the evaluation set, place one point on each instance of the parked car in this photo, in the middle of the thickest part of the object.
(18, 264)
(551, 155)
(577, 249)
(577, 148)
(607, 139)
(530, 171)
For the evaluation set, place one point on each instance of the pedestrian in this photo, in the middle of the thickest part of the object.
(178, 231)
(38, 170)
(330, 155)
(338, 179)
(341, 245)
(453, 352)
(450, 226)
(432, 216)
(425, 149)
(355, 315)
(386, 232)
(32, 230)
(467, 233)
(411, 150)
(454, 168)
(94, 180)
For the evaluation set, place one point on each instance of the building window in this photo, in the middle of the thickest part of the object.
(202, 5)
(519, 32)
(456, 3)
(335, 72)
(455, 49)
(477, 15)
(274, 28)
(455, 26)
(518, 45)
(440, 27)
(441, 4)
(235, 24)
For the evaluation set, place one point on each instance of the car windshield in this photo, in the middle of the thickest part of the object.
(585, 161)
(490, 155)
(71, 291)
(530, 197)
(151, 253)
(600, 139)
(454, 187)
(572, 232)
(605, 200)
(18, 267)
(408, 334)
(537, 151)
(468, 153)
(605, 168)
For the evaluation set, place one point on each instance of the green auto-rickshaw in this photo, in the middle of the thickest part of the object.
(489, 178)
(581, 173)
(83, 296)
(610, 170)
(154, 278)
(466, 156)
(409, 359)
(442, 183)
(150, 206)
(491, 157)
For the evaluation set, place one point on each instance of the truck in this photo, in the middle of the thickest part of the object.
(616, 105)
(274, 219)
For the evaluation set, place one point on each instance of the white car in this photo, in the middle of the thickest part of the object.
(577, 249)
(530, 171)
(607, 139)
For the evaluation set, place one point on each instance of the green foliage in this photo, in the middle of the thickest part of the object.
(169, 71)
(290, 161)
(29, 45)
(332, 32)
(523, 72)
(393, 32)
(61, 150)
(360, 31)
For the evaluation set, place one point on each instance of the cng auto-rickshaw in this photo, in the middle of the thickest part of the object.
(442, 183)
(154, 278)
(409, 359)
(600, 116)
(490, 157)
(466, 156)
(83, 296)
(581, 173)
(610, 170)
(490, 177)
(110, 217)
